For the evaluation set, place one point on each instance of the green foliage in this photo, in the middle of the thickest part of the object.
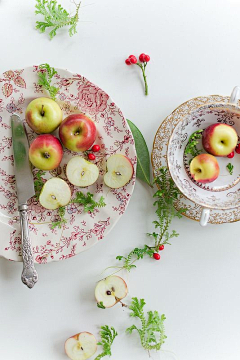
(38, 183)
(87, 201)
(55, 17)
(45, 78)
(108, 335)
(61, 218)
(100, 305)
(191, 147)
(152, 332)
(143, 158)
(230, 168)
(134, 255)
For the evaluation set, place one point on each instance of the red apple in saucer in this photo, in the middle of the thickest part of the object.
(77, 132)
(204, 168)
(46, 152)
(219, 139)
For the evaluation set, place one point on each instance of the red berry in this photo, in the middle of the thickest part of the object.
(161, 247)
(231, 155)
(128, 62)
(237, 149)
(133, 59)
(95, 148)
(156, 256)
(142, 57)
(91, 156)
(147, 58)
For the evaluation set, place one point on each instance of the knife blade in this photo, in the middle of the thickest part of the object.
(25, 190)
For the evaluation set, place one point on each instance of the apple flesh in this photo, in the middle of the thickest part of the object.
(46, 152)
(204, 168)
(43, 115)
(219, 139)
(119, 171)
(81, 172)
(55, 193)
(81, 346)
(77, 132)
(111, 290)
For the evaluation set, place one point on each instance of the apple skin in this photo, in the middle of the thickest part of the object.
(204, 168)
(219, 139)
(43, 122)
(77, 132)
(46, 152)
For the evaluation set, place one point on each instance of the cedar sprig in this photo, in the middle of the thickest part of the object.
(191, 147)
(45, 79)
(230, 168)
(87, 201)
(61, 220)
(38, 182)
(108, 334)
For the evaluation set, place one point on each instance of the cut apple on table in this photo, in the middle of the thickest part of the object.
(219, 139)
(119, 171)
(55, 193)
(81, 346)
(81, 172)
(43, 115)
(110, 291)
(204, 168)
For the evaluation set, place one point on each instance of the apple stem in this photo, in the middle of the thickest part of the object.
(42, 111)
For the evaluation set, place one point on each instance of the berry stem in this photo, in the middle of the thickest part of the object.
(143, 66)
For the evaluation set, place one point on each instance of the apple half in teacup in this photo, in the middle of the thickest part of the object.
(204, 168)
(110, 291)
(219, 139)
(119, 171)
(54, 194)
(81, 346)
(81, 172)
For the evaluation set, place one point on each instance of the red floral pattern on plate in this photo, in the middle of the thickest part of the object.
(82, 230)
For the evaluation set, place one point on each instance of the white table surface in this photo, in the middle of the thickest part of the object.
(195, 50)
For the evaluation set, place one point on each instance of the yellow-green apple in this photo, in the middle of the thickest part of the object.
(119, 171)
(77, 132)
(43, 115)
(46, 152)
(81, 346)
(219, 139)
(110, 291)
(81, 172)
(55, 193)
(204, 168)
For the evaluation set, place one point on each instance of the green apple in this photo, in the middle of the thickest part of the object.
(55, 193)
(81, 172)
(43, 115)
(81, 346)
(204, 168)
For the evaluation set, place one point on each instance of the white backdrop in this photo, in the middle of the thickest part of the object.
(195, 50)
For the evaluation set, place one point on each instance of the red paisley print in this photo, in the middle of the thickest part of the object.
(92, 99)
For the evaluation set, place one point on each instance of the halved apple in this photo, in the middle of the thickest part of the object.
(110, 291)
(81, 172)
(119, 171)
(55, 193)
(81, 346)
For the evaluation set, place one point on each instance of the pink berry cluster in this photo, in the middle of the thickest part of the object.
(142, 63)
(156, 255)
(237, 149)
(95, 148)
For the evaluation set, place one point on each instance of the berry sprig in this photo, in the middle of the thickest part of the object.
(90, 155)
(142, 63)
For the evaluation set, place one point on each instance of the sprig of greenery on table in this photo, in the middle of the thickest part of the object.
(38, 183)
(55, 17)
(152, 331)
(61, 220)
(87, 201)
(45, 79)
(108, 334)
(191, 147)
(230, 168)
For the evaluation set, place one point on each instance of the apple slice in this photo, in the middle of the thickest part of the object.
(81, 172)
(55, 193)
(119, 171)
(110, 291)
(81, 346)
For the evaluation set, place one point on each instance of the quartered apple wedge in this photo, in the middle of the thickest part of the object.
(119, 171)
(81, 172)
(55, 193)
(81, 346)
(110, 291)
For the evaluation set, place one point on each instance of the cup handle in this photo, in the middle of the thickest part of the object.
(235, 95)
(204, 216)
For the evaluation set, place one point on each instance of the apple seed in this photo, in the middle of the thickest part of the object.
(118, 173)
(108, 292)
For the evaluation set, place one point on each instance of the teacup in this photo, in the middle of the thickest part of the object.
(224, 192)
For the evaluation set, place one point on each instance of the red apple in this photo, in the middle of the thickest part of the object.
(219, 139)
(46, 152)
(77, 132)
(204, 168)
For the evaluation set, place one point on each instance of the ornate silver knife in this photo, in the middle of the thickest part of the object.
(25, 190)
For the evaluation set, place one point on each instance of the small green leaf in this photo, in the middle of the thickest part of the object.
(230, 168)
(143, 158)
(100, 305)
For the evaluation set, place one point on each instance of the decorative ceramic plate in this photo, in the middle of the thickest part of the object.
(82, 230)
(159, 157)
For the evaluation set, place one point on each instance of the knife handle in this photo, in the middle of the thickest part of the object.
(29, 274)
